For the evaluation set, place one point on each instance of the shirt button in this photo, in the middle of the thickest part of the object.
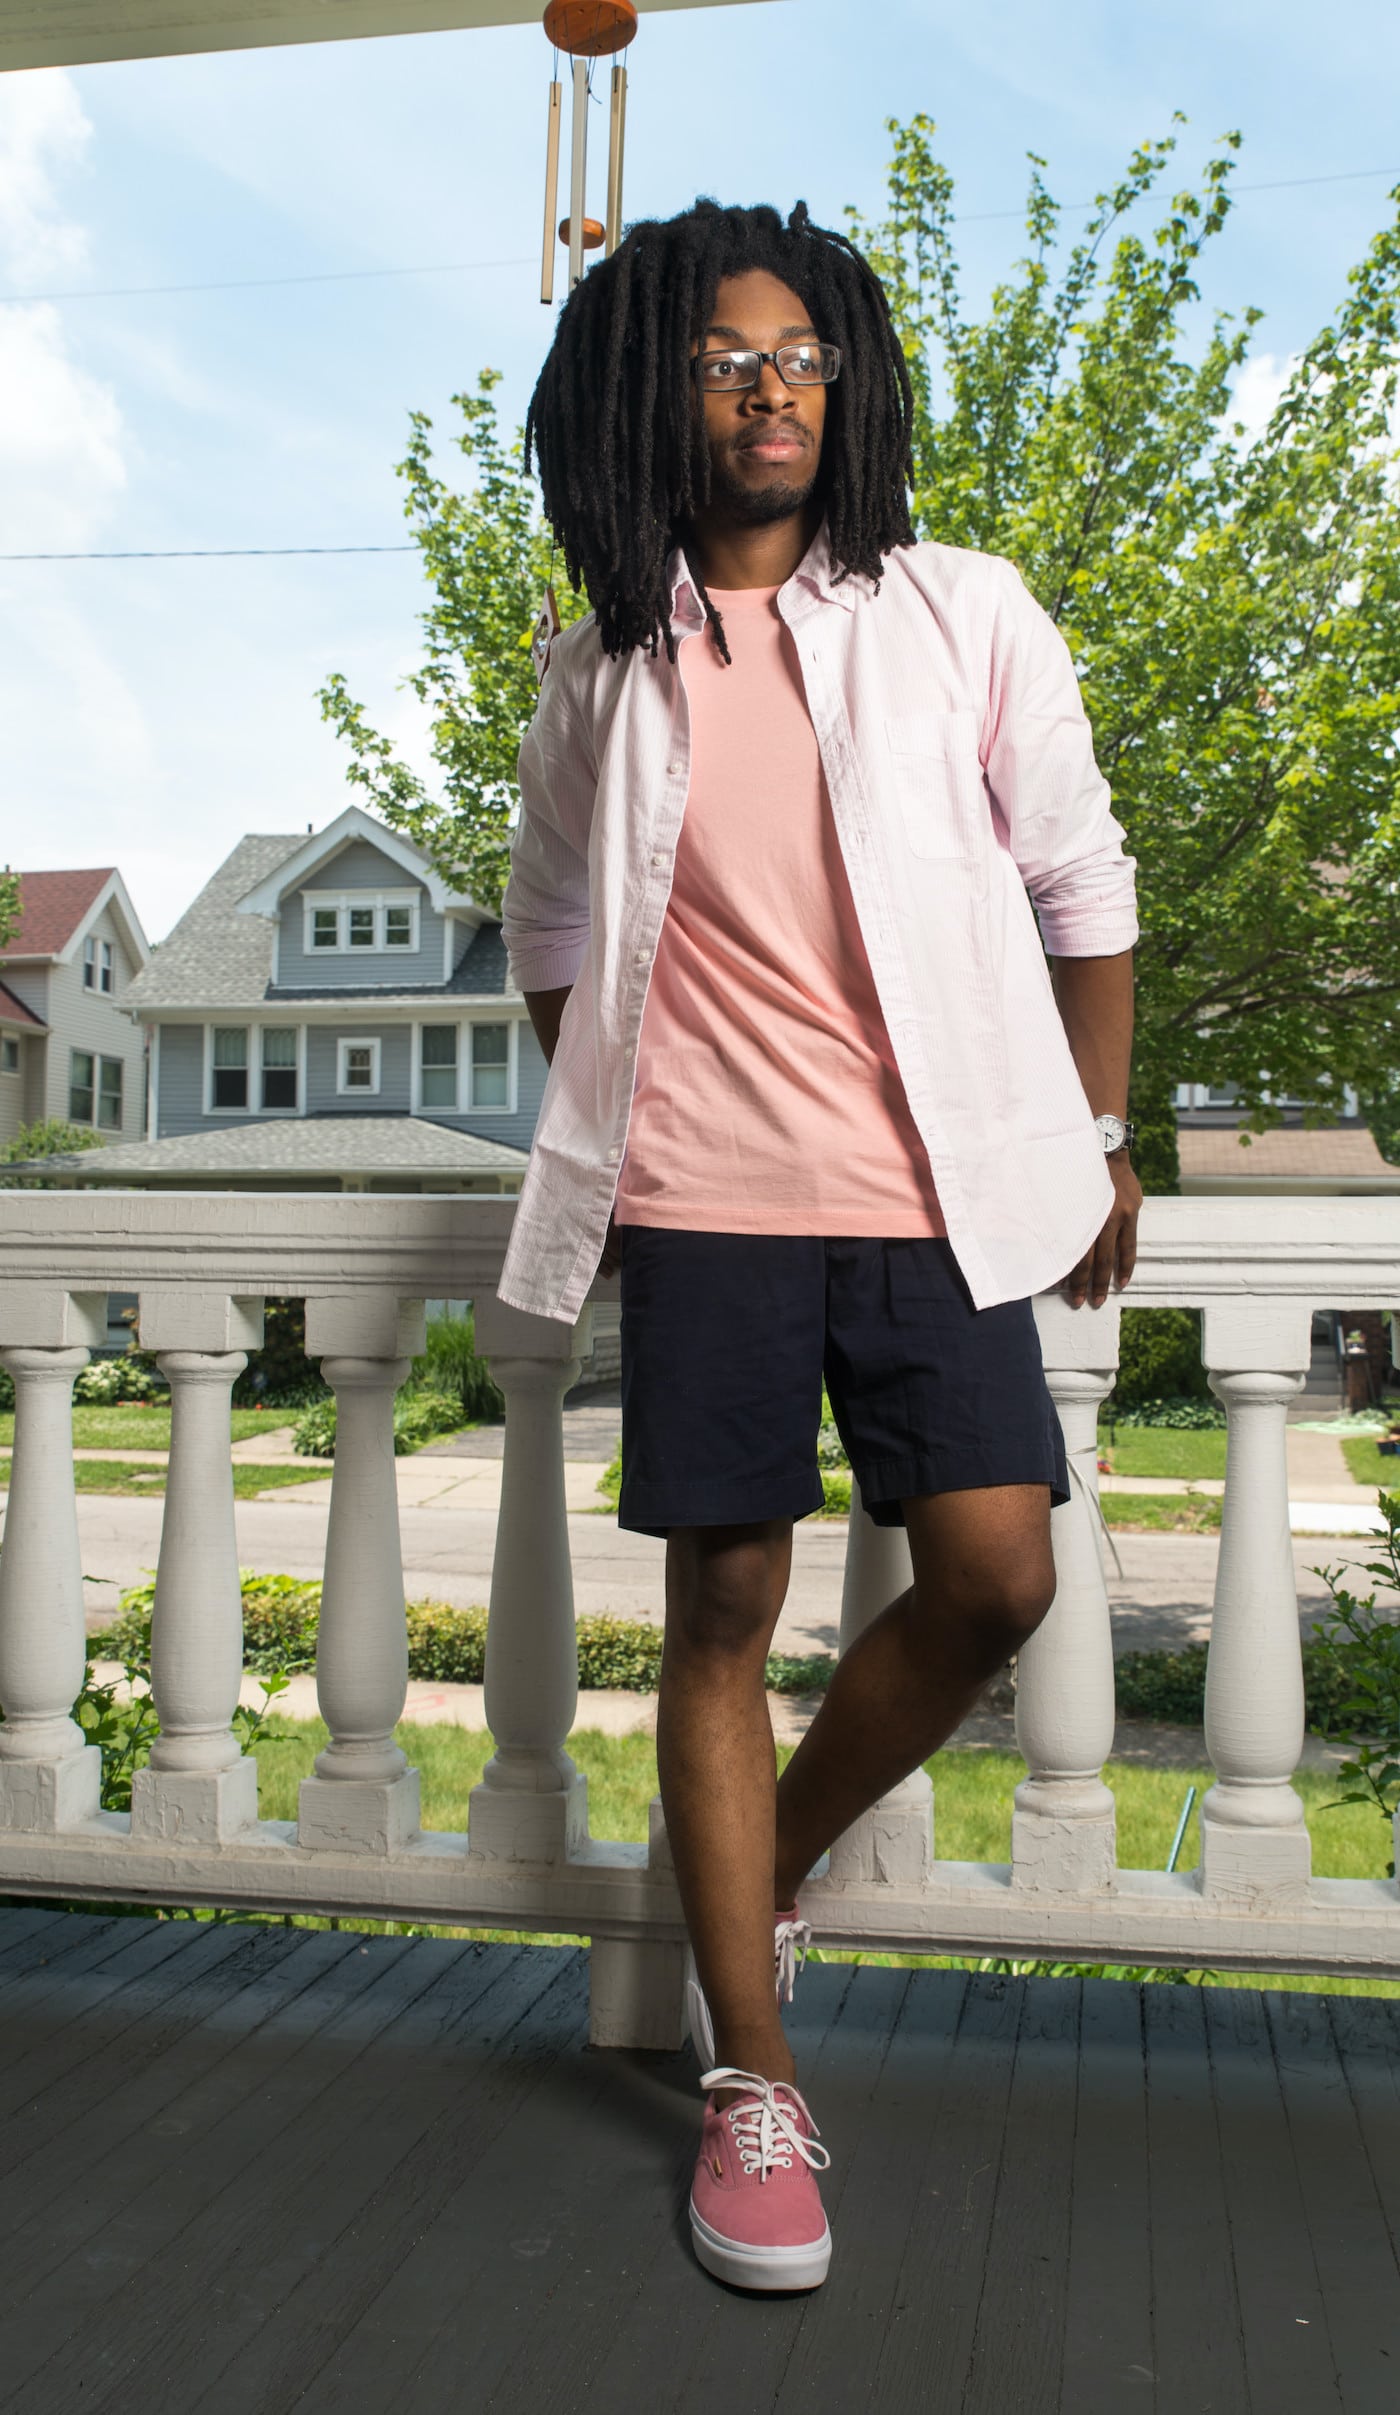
(642, 956)
(613, 1156)
(659, 862)
(673, 767)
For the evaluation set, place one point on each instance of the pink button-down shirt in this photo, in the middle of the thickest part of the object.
(964, 792)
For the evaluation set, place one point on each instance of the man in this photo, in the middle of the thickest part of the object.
(811, 1089)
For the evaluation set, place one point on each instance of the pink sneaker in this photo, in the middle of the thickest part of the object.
(755, 2211)
(791, 1938)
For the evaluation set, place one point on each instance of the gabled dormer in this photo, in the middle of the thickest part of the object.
(358, 908)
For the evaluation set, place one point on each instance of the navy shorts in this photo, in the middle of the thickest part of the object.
(726, 1338)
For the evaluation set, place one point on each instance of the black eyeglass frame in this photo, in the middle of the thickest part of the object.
(746, 352)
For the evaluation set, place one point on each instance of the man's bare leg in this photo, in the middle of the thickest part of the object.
(725, 1586)
(983, 1581)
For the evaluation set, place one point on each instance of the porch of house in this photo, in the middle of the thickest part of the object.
(253, 2168)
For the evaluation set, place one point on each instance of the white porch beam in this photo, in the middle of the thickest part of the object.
(77, 33)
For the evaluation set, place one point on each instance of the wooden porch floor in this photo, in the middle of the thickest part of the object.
(247, 2169)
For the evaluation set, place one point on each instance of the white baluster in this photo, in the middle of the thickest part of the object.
(198, 1788)
(1062, 1827)
(1254, 1841)
(532, 1803)
(363, 1797)
(892, 1843)
(50, 1777)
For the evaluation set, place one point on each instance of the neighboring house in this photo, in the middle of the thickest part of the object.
(68, 1047)
(1216, 1157)
(330, 1014)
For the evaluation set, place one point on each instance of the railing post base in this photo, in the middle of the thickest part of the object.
(636, 1994)
(891, 1845)
(1261, 1869)
(194, 1807)
(41, 1798)
(359, 1815)
(1062, 1852)
(511, 1824)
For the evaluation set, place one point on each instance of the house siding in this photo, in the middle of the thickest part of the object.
(360, 867)
(180, 1087)
(86, 1019)
(322, 1049)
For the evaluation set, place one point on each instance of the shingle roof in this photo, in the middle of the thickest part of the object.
(14, 1010)
(51, 906)
(1347, 1154)
(216, 956)
(314, 1145)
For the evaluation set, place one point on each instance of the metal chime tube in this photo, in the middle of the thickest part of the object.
(616, 127)
(577, 172)
(551, 190)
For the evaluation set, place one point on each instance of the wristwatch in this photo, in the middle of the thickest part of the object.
(1114, 1133)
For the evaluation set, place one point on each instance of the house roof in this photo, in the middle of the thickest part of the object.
(51, 906)
(1341, 1156)
(220, 956)
(14, 1010)
(410, 1145)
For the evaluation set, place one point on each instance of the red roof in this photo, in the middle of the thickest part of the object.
(51, 906)
(14, 1010)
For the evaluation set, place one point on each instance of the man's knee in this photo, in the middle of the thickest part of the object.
(1006, 1603)
(725, 1588)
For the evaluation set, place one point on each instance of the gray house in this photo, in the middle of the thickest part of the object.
(68, 1048)
(331, 1015)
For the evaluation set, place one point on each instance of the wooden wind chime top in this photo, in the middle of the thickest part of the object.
(590, 29)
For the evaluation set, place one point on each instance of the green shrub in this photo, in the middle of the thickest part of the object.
(130, 1376)
(450, 1364)
(1179, 1411)
(1159, 1356)
(418, 1417)
(1171, 1686)
(280, 1375)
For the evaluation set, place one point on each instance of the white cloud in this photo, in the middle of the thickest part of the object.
(1258, 389)
(61, 461)
(44, 131)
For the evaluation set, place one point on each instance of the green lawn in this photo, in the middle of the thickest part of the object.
(128, 1476)
(1366, 1464)
(133, 1428)
(1162, 1451)
(973, 1804)
(1162, 1513)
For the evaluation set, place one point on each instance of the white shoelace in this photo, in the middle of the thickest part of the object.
(791, 1938)
(765, 2131)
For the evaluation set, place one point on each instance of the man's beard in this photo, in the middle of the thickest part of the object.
(747, 506)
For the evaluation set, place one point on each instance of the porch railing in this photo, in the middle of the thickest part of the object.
(202, 1266)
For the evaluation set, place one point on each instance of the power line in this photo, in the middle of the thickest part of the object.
(458, 268)
(206, 553)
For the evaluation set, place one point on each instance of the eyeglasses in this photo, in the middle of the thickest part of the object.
(796, 364)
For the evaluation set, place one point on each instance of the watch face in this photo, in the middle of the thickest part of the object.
(1112, 1130)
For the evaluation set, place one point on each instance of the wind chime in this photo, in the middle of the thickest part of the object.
(586, 30)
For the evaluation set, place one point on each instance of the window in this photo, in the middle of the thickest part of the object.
(357, 1065)
(361, 919)
(89, 964)
(1224, 1095)
(438, 1086)
(490, 1065)
(104, 967)
(279, 1067)
(229, 1085)
(9, 1055)
(81, 1071)
(109, 1094)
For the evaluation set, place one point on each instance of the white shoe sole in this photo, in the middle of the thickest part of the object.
(702, 2036)
(762, 2268)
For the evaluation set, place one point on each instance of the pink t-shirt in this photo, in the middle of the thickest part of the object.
(767, 1097)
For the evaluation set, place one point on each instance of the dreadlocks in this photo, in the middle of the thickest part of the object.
(620, 447)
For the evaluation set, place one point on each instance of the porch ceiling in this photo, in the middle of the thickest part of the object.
(72, 33)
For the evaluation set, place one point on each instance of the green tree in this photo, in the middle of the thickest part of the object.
(1231, 607)
(1230, 604)
(9, 906)
(488, 557)
(51, 1137)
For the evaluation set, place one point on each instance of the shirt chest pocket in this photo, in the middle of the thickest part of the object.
(937, 778)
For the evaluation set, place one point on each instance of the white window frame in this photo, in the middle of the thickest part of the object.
(512, 1027)
(416, 1089)
(9, 1043)
(253, 1033)
(340, 901)
(90, 962)
(263, 1113)
(249, 1066)
(345, 1088)
(106, 969)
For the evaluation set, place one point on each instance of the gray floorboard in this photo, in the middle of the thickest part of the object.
(249, 2170)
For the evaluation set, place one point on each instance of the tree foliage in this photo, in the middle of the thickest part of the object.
(1230, 602)
(9, 906)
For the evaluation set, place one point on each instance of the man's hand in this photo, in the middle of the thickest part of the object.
(1114, 1254)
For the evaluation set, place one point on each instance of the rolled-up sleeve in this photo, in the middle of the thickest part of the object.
(545, 910)
(1047, 790)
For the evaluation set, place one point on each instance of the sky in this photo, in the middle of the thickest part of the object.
(151, 712)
